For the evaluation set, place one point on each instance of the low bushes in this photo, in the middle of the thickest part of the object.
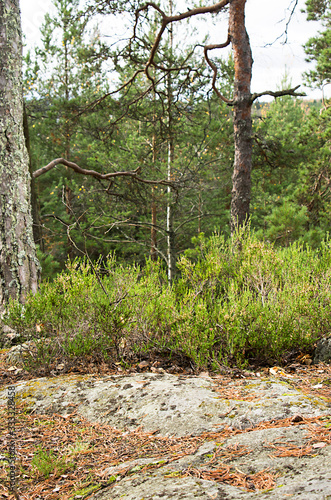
(234, 302)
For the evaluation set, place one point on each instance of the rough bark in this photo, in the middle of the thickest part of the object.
(18, 263)
(242, 120)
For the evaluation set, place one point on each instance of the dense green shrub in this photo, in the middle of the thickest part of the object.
(236, 302)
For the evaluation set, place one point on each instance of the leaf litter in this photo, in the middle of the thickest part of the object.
(105, 446)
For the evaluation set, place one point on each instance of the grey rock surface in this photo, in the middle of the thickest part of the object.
(155, 486)
(18, 353)
(172, 405)
(323, 350)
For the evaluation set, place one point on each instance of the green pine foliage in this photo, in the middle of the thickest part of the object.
(258, 298)
(65, 78)
(290, 193)
(278, 154)
(62, 77)
(318, 48)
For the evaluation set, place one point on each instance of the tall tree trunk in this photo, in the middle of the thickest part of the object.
(241, 178)
(153, 205)
(18, 263)
(171, 251)
(153, 229)
(67, 143)
(153, 208)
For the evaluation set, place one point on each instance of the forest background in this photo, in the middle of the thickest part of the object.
(145, 193)
(180, 130)
(133, 172)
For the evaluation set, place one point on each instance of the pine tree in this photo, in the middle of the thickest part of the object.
(181, 123)
(318, 48)
(62, 77)
(18, 263)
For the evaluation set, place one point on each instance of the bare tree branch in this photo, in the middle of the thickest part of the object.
(286, 26)
(290, 18)
(279, 93)
(165, 21)
(213, 9)
(97, 175)
(214, 68)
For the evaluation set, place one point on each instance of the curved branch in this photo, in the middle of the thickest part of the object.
(213, 9)
(214, 68)
(259, 143)
(279, 93)
(80, 170)
(94, 173)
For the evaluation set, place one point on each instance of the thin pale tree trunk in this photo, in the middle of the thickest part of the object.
(67, 143)
(153, 230)
(171, 252)
(153, 204)
(18, 264)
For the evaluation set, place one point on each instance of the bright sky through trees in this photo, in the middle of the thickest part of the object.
(265, 21)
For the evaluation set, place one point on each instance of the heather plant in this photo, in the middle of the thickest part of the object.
(254, 303)
(239, 301)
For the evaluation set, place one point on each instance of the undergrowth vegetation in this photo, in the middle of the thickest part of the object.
(235, 302)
